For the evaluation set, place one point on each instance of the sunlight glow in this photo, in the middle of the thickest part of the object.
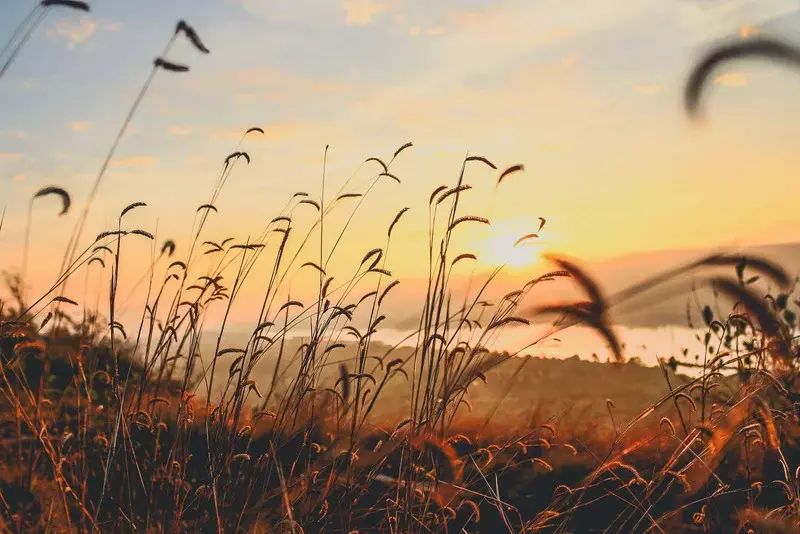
(497, 246)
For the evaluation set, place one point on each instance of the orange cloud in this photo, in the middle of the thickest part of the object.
(179, 130)
(272, 132)
(731, 79)
(265, 84)
(748, 31)
(271, 81)
(420, 112)
(10, 156)
(74, 32)
(570, 61)
(467, 19)
(362, 12)
(78, 126)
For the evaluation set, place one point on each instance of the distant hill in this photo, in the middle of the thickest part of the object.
(664, 306)
(668, 306)
(573, 388)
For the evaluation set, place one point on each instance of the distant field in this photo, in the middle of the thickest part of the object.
(572, 390)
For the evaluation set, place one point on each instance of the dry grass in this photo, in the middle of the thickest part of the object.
(138, 427)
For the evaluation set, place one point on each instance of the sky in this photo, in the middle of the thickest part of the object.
(585, 94)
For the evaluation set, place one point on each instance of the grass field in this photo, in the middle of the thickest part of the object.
(308, 424)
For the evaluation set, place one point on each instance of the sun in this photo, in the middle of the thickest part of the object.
(500, 244)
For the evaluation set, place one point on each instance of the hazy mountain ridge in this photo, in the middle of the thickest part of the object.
(663, 306)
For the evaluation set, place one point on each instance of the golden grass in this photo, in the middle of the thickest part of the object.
(142, 427)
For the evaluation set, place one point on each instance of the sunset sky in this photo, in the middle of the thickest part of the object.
(586, 94)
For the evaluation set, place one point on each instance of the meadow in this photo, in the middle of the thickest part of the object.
(309, 424)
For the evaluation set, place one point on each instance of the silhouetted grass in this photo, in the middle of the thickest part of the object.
(117, 427)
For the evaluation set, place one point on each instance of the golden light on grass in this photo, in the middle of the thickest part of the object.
(305, 381)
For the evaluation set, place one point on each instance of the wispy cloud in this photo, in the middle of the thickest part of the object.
(272, 132)
(362, 12)
(731, 79)
(268, 84)
(113, 26)
(74, 32)
(748, 31)
(135, 161)
(290, 11)
(10, 156)
(420, 112)
(19, 177)
(78, 126)
(179, 130)
(570, 61)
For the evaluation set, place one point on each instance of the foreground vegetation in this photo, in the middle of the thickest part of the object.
(111, 427)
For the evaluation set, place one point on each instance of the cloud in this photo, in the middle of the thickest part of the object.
(570, 61)
(648, 89)
(487, 56)
(78, 126)
(362, 12)
(420, 112)
(113, 26)
(10, 156)
(731, 79)
(438, 30)
(277, 79)
(719, 18)
(272, 132)
(135, 161)
(179, 130)
(466, 20)
(414, 31)
(269, 84)
(293, 10)
(74, 32)
(19, 177)
(748, 31)
(16, 134)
